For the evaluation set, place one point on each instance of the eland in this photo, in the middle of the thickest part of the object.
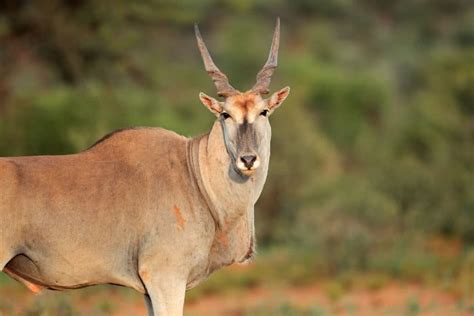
(143, 208)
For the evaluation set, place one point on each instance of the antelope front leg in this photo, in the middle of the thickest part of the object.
(149, 307)
(165, 296)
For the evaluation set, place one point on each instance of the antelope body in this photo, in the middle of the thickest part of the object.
(143, 208)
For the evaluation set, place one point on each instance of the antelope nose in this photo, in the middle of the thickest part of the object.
(248, 160)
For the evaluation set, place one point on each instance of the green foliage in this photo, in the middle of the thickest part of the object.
(412, 307)
(285, 309)
(106, 307)
(58, 307)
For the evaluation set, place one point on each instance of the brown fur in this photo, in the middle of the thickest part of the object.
(244, 102)
(110, 214)
(101, 216)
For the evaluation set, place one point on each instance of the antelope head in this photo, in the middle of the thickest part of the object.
(244, 115)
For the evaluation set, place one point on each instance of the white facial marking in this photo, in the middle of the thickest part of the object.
(256, 164)
(241, 165)
(246, 170)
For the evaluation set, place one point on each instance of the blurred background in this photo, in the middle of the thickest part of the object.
(369, 204)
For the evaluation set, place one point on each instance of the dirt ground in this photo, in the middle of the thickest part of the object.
(394, 298)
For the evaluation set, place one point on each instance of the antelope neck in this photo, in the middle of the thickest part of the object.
(193, 161)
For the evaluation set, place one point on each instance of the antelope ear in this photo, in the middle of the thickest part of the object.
(277, 98)
(212, 104)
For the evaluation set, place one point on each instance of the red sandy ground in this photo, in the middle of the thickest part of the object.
(392, 299)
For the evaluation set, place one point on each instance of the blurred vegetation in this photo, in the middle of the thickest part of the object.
(372, 155)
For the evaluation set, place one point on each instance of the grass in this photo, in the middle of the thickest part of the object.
(60, 307)
(285, 309)
(412, 307)
(285, 267)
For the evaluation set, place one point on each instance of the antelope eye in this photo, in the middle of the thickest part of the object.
(264, 113)
(225, 115)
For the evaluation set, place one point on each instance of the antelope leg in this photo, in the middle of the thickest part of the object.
(149, 306)
(166, 296)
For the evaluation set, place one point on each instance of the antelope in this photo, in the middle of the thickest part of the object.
(144, 208)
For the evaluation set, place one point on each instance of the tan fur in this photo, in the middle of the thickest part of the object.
(143, 208)
(103, 215)
(244, 106)
(244, 102)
